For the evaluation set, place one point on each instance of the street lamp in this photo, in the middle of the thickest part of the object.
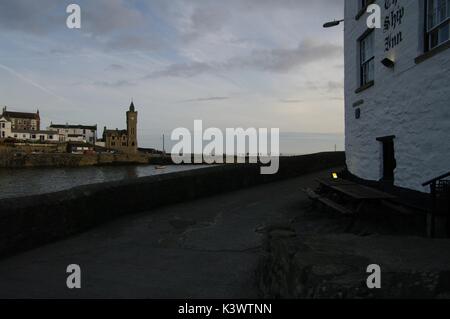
(333, 23)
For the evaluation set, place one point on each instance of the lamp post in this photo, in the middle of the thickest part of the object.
(333, 23)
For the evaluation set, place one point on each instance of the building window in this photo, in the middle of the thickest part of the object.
(367, 59)
(438, 22)
(3, 125)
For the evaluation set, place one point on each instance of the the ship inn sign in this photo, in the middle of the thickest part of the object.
(395, 14)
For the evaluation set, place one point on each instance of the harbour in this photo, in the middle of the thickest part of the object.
(34, 181)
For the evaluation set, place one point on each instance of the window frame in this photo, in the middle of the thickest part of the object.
(436, 28)
(363, 81)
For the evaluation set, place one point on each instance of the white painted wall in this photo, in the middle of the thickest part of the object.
(5, 128)
(411, 101)
(83, 135)
(35, 136)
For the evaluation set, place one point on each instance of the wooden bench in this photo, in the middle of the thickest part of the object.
(328, 202)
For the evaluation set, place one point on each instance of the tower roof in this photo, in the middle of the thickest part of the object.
(132, 108)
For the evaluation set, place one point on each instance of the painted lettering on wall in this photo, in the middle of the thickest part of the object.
(393, 20)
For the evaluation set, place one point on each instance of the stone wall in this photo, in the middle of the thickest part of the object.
(32, 221)
(33, 148)
(334, 266)
(10, 159)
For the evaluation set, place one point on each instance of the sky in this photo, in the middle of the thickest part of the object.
(234, 63)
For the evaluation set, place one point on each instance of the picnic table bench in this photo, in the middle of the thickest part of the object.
(354, 196)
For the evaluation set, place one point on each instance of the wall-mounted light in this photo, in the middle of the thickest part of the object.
(388, 63)
(333, 23)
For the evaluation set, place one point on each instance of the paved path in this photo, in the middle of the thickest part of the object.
(202, 249)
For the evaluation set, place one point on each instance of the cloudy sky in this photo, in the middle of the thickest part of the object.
(234, 63)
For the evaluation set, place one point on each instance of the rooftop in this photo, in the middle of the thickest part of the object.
(34, 132)
(116, 132)
(71, 126)
(21, 115)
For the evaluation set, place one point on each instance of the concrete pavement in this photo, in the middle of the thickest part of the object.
(208, 248)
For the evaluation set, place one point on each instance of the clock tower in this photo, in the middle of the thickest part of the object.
(132, 128)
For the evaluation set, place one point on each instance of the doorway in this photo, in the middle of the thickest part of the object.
(389, 163)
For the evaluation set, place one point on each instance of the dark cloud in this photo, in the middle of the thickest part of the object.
(185, 70)
(31, 16)
(106, 16)
(276, 60)
(211, 16)
(48, 16)
(285, 60)
(113, 24)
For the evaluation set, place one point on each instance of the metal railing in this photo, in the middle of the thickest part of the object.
(440, 201)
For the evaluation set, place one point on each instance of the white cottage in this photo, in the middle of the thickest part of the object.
(397, 91)
(5, 127)
(35, 136)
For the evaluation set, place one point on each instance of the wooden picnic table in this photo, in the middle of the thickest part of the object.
(354, 190)
(356, 195)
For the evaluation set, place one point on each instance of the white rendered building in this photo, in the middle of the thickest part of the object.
(75, 133)
(397, 91)
(35, 136)
(5, 127)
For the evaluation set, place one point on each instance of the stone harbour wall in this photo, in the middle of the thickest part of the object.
(21, 160)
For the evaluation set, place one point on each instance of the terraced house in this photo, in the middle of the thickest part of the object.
(23, 120)
(23, 126)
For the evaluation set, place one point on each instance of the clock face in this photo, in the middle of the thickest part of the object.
(132, 118)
